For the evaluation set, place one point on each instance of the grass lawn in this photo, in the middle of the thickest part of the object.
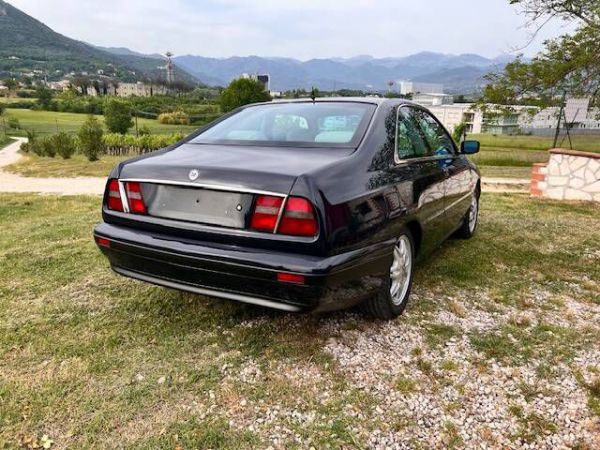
(17, 100)
(77, 166)
(49, 122)
(512, 156)
(582, 143)
(92, 360)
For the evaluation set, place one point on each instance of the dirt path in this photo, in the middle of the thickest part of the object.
(64, 186)
(10, 182)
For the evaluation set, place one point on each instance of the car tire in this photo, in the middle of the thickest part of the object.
(392, 297)
(469, 223)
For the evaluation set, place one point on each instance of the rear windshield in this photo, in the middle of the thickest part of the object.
(319, 124)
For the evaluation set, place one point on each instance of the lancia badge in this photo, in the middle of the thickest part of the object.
(193, 175)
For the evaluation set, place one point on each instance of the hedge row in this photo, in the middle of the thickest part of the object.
(123, 144)
(66, 145)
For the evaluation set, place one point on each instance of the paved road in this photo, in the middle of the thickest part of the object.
(10, 182)
(95, 186)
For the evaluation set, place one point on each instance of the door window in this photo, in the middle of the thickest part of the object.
(438, 140)
(410, 140)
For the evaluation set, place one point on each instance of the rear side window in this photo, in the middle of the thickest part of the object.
(410, 140)
(310, 124)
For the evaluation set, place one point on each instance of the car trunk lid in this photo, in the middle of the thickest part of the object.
(218, 185)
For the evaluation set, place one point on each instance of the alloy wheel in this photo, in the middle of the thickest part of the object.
(401, 269)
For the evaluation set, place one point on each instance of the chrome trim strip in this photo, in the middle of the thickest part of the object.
(280, 215)
(214, 187)
(208, 292)
(124, 198)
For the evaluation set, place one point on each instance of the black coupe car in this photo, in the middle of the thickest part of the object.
(295, 205)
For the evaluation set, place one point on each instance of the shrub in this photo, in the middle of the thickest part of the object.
(117, 116)
(144, 130)
(90, 138)
(174, 118)
(48, 148)
(13, 123)
(64, 144)
(28, 146)
(43, 146)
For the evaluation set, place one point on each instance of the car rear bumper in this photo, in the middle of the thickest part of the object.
(245, 274)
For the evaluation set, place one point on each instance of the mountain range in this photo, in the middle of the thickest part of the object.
(459, 73)
(29, 45)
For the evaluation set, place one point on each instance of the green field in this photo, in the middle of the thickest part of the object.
(77, 166)
(49, 122)
(92, 360)
(17, 100)
(512, 156)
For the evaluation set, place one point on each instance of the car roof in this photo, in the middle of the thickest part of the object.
(373, 100)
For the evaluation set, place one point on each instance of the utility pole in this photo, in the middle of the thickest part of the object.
(560, 116)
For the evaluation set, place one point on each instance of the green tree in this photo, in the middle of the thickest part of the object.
(117, 116)
(44, 96)
(11, 84)
(568, 64)
(459, 131)
(90, 138)
(243, 92)
(64, 144)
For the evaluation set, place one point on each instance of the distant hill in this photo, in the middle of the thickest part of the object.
(26, 44)
(459, 73)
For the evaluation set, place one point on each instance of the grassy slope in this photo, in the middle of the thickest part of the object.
(47, 122)
(77, 166)
(94, 360)
(4, 141)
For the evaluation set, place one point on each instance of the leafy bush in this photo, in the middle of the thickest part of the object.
(64, 144)
(43, 146)
(144, 130)
(174, 118)
(117, 116)
(13, 123)
(47, 147)
(27, 147)
(90, 138)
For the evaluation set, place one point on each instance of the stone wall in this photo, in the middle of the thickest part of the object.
(569, 175)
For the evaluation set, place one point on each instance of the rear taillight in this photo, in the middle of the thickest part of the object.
(298, 218)
(266, 212)
(114, 201)
(135, 199)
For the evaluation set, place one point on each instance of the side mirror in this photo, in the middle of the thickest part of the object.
(470, 147)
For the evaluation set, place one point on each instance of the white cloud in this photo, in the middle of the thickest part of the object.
(301, 29)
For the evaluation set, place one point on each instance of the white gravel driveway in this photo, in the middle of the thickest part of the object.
(63, 186)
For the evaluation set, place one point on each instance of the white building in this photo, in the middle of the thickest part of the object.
(265, 79)
(577, 113)
(139, 89)
(415, 87)
(433, 99)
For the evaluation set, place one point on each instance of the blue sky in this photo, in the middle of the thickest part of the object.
(302, 29)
